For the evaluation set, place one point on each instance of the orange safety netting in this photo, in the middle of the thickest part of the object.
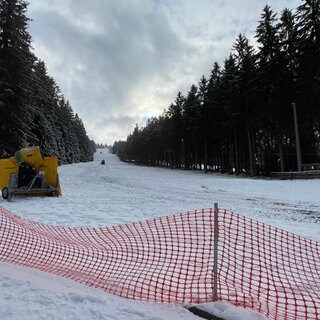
(170, 259)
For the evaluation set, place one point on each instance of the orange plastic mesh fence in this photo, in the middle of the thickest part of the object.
(170, 259)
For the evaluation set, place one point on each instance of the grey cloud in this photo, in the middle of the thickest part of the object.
(102, 55)
(115, 125)
(118, 61)
(118, 120)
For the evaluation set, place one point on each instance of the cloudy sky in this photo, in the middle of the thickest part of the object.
(120, 62)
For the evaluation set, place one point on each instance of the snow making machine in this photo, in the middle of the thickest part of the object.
(28, 173)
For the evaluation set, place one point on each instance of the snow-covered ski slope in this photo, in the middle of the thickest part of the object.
(116, 193)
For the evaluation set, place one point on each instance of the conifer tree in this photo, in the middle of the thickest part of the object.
(240, 119)
(15, 74)
(30, 108)
(246, 64)
(308, 75)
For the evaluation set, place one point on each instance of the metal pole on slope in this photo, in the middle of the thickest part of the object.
(298, 149)
(215, 251)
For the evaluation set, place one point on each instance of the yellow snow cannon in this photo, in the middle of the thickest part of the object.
(28, 173)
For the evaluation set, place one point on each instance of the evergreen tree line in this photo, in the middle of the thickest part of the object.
(32, 108)
(102, 145)
(240, 119)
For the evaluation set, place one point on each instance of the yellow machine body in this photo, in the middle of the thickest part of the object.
(30, 155)
(47, 167)
(7, 166)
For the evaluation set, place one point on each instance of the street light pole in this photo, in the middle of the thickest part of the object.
(183, 164)
(298, 149)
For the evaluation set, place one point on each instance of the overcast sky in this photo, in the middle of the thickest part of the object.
(120, 62)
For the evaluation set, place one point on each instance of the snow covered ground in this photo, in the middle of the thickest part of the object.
(116, 193)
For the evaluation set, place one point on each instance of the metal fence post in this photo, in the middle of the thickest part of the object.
(298, 148)
(215, 251)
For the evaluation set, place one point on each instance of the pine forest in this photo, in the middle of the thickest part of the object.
(240, 119)
(32, 108)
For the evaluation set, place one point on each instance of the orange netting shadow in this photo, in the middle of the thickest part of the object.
(170, 259)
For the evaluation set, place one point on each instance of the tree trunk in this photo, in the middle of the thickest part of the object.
(236, 157)
(205, 155)
(282, 164)
(251, 152)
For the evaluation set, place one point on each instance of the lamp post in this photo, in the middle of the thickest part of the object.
(182, 154)
(298, 149)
